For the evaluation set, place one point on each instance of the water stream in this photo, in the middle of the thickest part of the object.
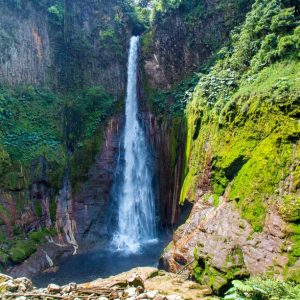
(135, 197)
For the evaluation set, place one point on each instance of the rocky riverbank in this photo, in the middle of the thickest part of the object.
(139, 284)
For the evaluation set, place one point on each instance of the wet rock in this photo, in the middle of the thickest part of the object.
(225, 245)
(8, 286)
(38, 261)
(53, 288)
(24, 284)
(151, 294)
(136, 281)
(91, 203)
(69, 288)
(4, 278)
(130, 292)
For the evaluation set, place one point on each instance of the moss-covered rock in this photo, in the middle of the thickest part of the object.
(22, 250)
(289, 207)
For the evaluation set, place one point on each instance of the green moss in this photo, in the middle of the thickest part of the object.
(147, 41)
(22, 250)
(205, 273)
(38, 236)
(289, 207)
(4, 257)
(254, 149)
(38, 209)
(167, 249)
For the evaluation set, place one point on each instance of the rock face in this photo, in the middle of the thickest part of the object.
(245, 219)
(220, 245)
(97, 44)
(81, 218)
(182, 40)
(25, 45)
(171, 50)
(69, 47)
(168, 165)
(39, 194)
(91, 203)
(66, 47)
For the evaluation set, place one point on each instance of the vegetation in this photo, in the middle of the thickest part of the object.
(242, 122)
(20, 248)
(253, 106)
(66, 130)
(193, 17)
(262, 289)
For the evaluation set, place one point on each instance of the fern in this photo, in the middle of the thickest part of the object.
(262, 289)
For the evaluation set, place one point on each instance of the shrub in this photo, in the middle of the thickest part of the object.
(263, 289)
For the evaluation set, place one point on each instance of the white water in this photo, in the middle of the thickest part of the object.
(136, 204)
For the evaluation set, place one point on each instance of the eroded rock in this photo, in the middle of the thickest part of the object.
(221, 246)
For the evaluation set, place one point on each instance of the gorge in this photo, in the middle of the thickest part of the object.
(135, 240)
(158, 133)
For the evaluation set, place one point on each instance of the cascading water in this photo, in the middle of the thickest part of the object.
(135, 196)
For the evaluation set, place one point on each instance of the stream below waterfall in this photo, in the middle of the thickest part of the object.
(135, 240)
(103, 263)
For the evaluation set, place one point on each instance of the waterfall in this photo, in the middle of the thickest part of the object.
(134, 190)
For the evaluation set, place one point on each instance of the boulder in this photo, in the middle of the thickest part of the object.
(4, 278)
(53, 288)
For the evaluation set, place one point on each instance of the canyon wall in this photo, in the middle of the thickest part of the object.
(26, 54)
(241, 128)
(178, 44)
(66, 45)
(184, 39)
(63, 77)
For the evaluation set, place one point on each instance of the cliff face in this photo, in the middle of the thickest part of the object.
(168, 166)
(96, 41)
(242, 128)
(91, 203)
(62, 77)
(185, 38)
(65, 45)
(245, 216)
(26, 55)
(179, 43)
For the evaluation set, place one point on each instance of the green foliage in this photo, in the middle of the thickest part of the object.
(194, 10)
(21, 250)
(160, 7)
(174, 101)
(110, 38)
(56, 13)
(84, 132)
(65, 129)
(270, 33)
(5, 162)
(256, 109)
(39, 236)
(29, 123)
(262, 289)
(252, 137)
